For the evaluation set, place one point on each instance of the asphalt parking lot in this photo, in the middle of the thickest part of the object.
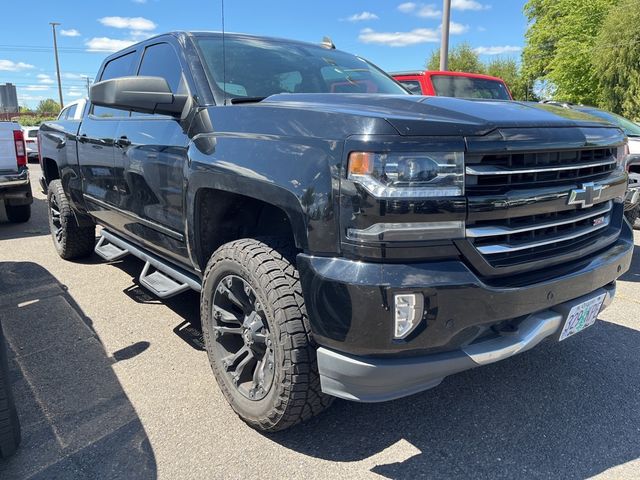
(113, 383)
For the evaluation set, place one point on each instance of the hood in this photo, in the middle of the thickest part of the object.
(440, 116)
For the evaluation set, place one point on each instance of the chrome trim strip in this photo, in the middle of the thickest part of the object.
(478, 232)
(133, 216)
(492, 170)
(493, 249)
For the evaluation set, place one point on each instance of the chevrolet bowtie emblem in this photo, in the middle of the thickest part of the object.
(586, 196)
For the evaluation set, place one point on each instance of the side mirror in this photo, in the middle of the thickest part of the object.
(138, 94)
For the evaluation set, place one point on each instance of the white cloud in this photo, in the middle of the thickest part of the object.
(362, 16)
(420, 9)
(497, 50)
(108, 45)
(74, 92)
(428, 11)
(9, 66)
(72, 32)
(399, 39)
(139, 35)
(35, 88)
(44, 78)
(73, 76)
(468, 5)
(407, 7)
(132, 23)
(458, 28)
(139, 1)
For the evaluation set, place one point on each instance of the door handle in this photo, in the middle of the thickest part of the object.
(123, 141)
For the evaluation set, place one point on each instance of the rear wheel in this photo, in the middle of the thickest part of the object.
(254, 325)
(71, 240)
(18, 213)
(9, 425)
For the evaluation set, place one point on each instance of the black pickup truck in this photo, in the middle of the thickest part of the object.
(348, 239)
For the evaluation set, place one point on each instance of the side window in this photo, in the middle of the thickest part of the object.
(412, 85)
(72, 112)
(160, 60)
(63, 114)
(118, 67)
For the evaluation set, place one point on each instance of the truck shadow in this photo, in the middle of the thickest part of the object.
(565, 410)
(37, 225)
(77, 421)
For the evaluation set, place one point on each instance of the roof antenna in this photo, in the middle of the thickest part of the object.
(327, 43)
(224, 60)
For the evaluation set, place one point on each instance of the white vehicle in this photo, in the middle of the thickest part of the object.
(31, 141)
(15, 188)
(73, 111)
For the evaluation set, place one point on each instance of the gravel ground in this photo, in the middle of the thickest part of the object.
(112, 383)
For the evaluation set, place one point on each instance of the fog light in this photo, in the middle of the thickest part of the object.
(408, 309)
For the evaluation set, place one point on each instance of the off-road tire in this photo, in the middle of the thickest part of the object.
(632, 216)
(71, 240)
(295, 395)
(18, 213)
(9, 424)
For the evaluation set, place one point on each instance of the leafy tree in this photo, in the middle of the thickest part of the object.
(24, 109)
(561, 39)
(48, 106)
(617, 60)
(462, 58)
(508, 70)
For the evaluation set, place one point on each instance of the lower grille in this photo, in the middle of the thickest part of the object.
(519, 240)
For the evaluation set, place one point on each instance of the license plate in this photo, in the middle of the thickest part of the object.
(582, 316)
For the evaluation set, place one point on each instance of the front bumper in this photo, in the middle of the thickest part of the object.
(379, 380)
(350, 308)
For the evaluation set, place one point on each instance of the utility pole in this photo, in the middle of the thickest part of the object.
(444, 44)
(55, 51)
(88, 84)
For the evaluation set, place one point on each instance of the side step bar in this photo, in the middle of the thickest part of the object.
(166, 280)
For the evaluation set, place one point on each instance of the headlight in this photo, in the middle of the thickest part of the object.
(408, 175)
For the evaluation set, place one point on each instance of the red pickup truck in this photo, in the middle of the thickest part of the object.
(453, 84)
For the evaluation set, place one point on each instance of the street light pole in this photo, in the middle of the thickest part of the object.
(444, 44)
(55, 51)
(88, 80)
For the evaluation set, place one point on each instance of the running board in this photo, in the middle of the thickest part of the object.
(166, 280)
(109, 251)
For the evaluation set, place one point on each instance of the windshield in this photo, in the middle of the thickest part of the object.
(468, 87)
(257, 68)
(630, 129)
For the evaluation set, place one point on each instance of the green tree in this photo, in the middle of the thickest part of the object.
(617, 60)
(48, 106)
(462, 58)
(561, 39)
(507, 69)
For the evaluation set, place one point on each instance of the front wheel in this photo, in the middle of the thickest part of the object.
(259, 346)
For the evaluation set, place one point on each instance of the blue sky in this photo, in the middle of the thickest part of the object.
(395, 35)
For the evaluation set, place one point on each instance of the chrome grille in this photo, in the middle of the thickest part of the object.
(498, 172)
(517, 240)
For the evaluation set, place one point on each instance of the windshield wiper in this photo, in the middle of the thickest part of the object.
(235, 100)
